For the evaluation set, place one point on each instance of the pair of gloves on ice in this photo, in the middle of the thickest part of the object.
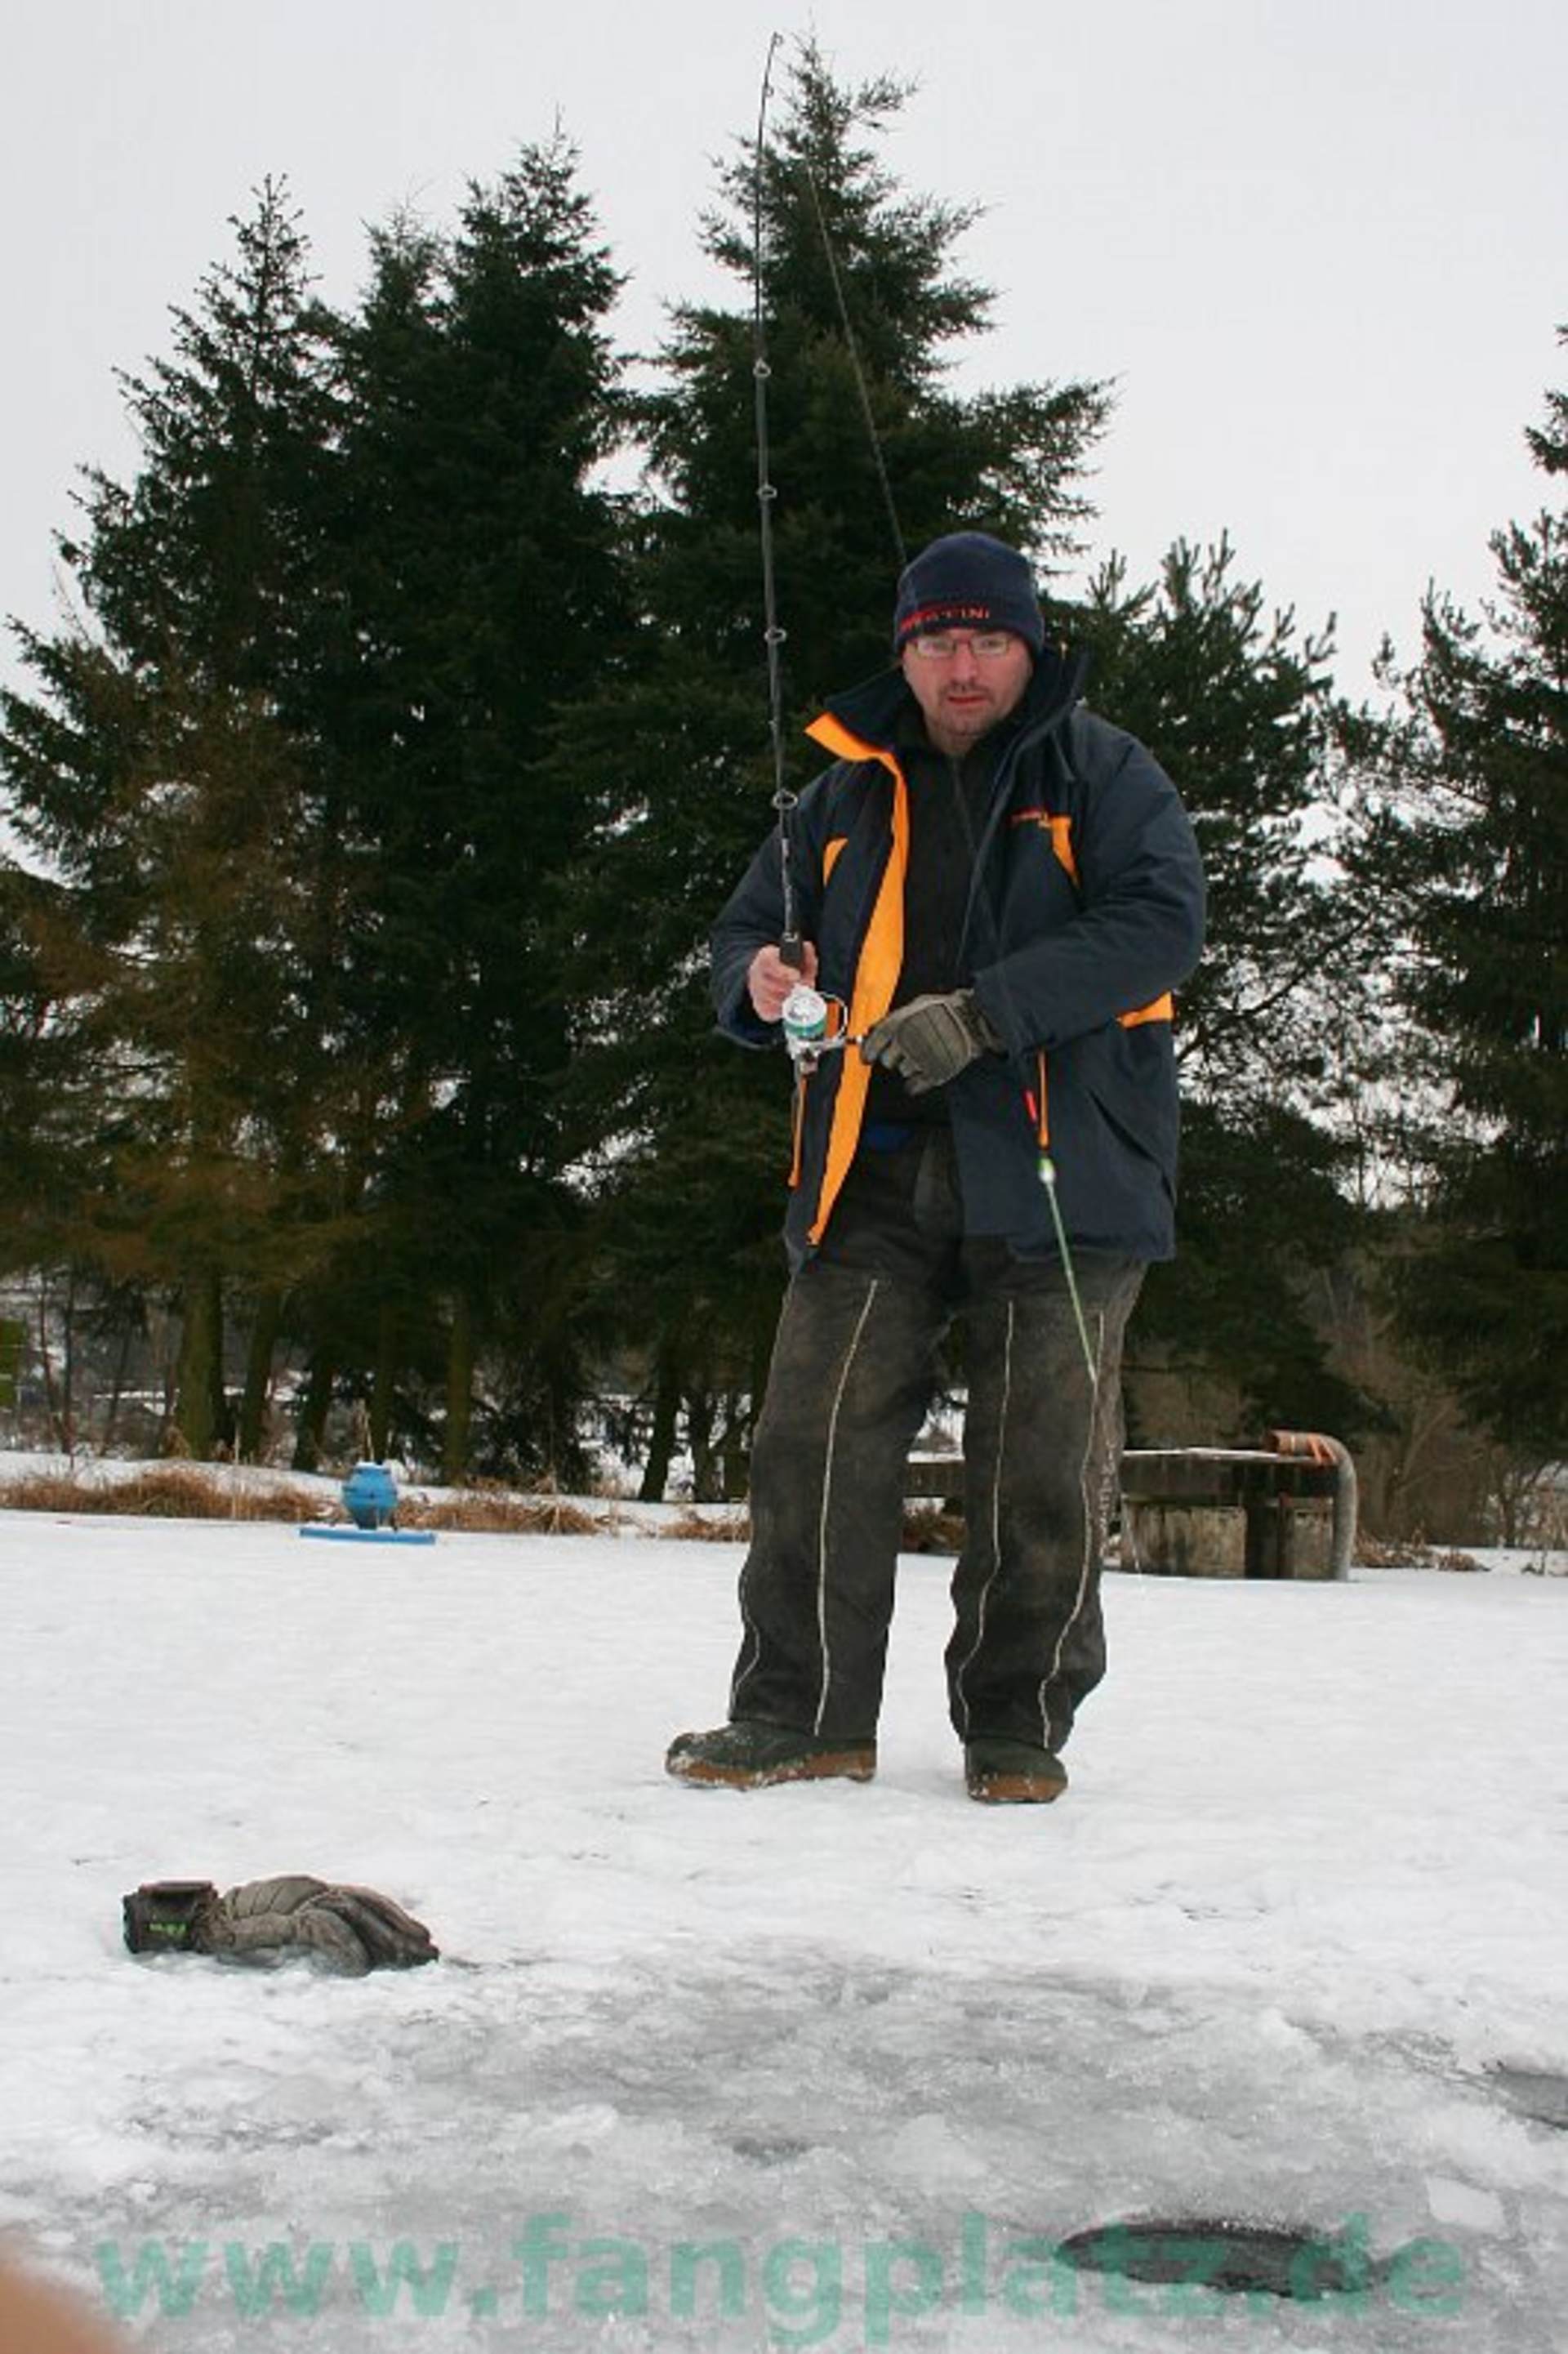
(350, 1930)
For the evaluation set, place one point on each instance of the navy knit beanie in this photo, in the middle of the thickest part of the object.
(968, 581)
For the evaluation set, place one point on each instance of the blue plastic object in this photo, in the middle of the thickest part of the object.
(368, 1536)
(370, 1496)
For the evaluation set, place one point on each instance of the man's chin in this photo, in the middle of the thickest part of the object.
(955, 732)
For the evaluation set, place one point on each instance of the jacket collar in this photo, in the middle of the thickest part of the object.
(875, 712)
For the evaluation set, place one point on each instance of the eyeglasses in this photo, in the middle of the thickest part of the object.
(986, 645)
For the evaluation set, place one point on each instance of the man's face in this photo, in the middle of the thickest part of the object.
(965, 681)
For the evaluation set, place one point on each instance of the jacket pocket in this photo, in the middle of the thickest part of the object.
(1130, 1076)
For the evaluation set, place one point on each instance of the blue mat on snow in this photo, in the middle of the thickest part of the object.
(369, 1536)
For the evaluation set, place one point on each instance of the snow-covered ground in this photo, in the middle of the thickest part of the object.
(823, 2066)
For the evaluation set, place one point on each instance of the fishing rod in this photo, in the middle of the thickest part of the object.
(808, 1016)
(813, 1025)
(790, 946)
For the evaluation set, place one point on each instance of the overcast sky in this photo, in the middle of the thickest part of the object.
(1322, 248)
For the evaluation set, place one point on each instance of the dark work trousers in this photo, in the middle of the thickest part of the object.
(854, 1367)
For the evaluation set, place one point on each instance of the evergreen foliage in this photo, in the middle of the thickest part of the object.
(1239, 710)
(285, 780)
(481, 580)
(165, 776)
(1468, 832)
(689, 1138)
(374, 806)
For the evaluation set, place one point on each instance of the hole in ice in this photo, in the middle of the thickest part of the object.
(1220, 2252)
(1535, 2092)
(777, 2152)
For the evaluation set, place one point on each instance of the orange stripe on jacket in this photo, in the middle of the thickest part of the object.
(881, 955)
(876, 969)
(1060, 830)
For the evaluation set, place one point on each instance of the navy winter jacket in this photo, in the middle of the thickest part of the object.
(1086, 910)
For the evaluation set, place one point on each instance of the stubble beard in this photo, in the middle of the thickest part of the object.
(954, 734)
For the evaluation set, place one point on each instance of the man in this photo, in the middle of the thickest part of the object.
(1002, 890)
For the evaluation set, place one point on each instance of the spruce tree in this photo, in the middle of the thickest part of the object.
(484, 592)
(1468, 835)
(44, 1169)
(862, 305)
(163, 776)
(1237, 706)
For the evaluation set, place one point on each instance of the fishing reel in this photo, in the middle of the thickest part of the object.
(814, 1026)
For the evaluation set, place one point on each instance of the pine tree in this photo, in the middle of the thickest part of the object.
(483, 592)
(43, 1170)
(1469, 835)
(673, 761)
(164, 775)
(288, 774)
(1238, 707)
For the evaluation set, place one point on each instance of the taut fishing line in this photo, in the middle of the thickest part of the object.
(861, 387)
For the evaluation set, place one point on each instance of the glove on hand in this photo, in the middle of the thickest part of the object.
(350, 1929)
(931, 1040)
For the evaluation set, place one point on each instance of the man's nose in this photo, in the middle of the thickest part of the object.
(964, 663)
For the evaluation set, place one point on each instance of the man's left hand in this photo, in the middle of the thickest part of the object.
(931, 1040)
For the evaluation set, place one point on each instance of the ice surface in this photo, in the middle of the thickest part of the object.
(825, 2065)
